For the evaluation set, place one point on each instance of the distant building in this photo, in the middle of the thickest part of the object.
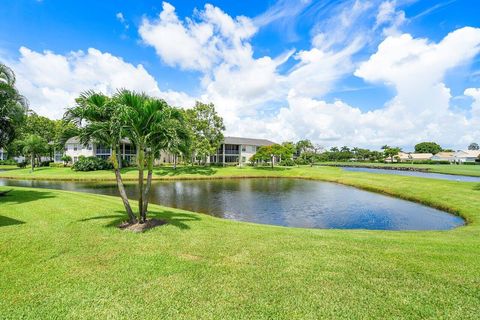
(444, 156)
(467, 156)
(411, 156)
(3, 154)
(236, 150)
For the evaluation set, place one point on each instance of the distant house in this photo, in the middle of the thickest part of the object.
(444, 156)
(462, 156)
(3, 154)
(235, 150)
(75, 149)
(411, 156)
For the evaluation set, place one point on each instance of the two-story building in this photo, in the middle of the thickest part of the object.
(236, 150)
(75, 149)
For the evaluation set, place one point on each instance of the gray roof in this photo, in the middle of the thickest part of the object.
(248, 141)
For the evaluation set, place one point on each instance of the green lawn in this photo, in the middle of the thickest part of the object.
(61, 257)
(47, 173)
(7, 167)
(467, 170)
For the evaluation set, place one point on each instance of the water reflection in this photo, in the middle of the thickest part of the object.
(285, 202)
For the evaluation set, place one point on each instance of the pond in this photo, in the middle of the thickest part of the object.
(421, 174)
(283, 202)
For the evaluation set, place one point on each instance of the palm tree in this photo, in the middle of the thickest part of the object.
(13, 106)
(34, 146)
(102, 124)
(153, 126)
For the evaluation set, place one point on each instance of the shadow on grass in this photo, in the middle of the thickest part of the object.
(177, 219)
(6, 221)
(276, 169)
(477, 187)
(205, 171)
(18, 196)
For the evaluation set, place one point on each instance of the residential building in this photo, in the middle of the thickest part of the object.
(3, 154)
(444, 156)
(236, 150)
(75, 149)
(467, 156)
(411, 156)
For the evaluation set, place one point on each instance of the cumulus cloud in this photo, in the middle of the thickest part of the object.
(259, 96)
(200, 43)
(52, 81)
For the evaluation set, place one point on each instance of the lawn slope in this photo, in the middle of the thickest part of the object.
(62, 257)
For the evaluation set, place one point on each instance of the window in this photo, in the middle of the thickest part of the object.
(230, 159)
(66, 148)
(75, 159)
(244, 159)
(75, 147)
(89, 147)
(244, 148)
(102, 150)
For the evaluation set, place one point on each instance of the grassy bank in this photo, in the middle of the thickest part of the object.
(62, 257)
(466, 170)
(47, 173)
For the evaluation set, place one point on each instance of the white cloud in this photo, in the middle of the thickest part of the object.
(208, 39)
(120, 17)
(245, 88)
(52, 81)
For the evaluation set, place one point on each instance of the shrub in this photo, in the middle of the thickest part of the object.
(287, 163)
(91, 164)
(22, 164)
(45, 163)
(8, 162)
(56, 165)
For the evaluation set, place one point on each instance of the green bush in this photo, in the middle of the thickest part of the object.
(287, 163)
(45, 163)
(22, 164)
(56, 165)
(8, 162)
(91, 164)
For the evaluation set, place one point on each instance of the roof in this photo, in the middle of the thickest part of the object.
(415, 156)
(468, 153)
(444, 155)
(248, 141)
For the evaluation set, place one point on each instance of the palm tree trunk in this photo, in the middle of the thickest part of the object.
(148, 185)
(121, 189)
(32, 161)
(141, 167)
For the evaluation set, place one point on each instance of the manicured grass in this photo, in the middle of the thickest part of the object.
(7, 167)
(467, 170)
(62, 257)
(47, 173)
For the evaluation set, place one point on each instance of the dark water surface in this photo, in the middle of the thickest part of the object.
(431, 175)
(284, 202)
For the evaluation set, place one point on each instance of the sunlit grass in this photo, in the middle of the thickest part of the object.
(62, 257)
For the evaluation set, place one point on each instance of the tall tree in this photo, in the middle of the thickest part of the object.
(13, 106)
(34, 146)
(101, 120)
(207, 129)
(428, 147)
(391, 152)
(473, 146)
(150, 124)
(303, 146)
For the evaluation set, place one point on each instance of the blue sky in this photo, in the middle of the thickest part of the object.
(274, 30)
